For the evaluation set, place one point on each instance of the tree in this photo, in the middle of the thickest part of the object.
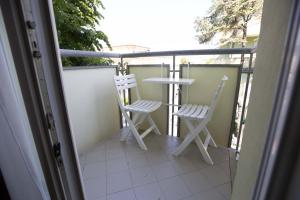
(76, 22)
(229, 19)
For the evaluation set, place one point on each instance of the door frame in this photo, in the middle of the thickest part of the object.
(279, 168)
(34, 45)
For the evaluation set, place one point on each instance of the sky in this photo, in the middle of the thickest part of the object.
(157, 24)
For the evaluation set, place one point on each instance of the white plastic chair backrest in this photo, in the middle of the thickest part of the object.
(216, 96)
(123, 83)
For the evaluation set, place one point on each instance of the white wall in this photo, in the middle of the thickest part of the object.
(92, 105)
(267, 67)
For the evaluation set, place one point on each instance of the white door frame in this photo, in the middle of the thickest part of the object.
(33, 40)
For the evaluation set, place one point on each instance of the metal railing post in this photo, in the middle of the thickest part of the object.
(173, 93)
(244, 102)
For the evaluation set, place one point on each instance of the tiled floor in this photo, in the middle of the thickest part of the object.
(116, 170)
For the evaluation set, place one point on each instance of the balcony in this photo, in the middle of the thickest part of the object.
(45, 107)
(121, 170)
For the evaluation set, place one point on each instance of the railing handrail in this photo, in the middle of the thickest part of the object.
(81, 53)
(174, 53)
(190, 52)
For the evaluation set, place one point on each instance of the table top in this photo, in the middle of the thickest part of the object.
(161, 80)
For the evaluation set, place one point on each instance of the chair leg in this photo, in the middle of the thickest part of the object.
(137, 136)
(125, 132)
(203, 150)
(136, 117)
(152, 123)
(135, 132)
(211, 141)
(187, 140)
(194, 132)
(194, 135)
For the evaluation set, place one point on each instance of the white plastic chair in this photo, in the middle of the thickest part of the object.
(200, 114)
(141, 109)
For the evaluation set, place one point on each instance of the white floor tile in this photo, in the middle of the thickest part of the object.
(153, 145)
(142, 175)
(225, 190)
(137, 161)
(224, 166)
(113, 144)
(218, 155)
(190, 198)
(196, 158)
(155, 157)
(96, 156)
(95, 187)
(121, 170)
(196, 182)
(215, 175)
(174, 188)
(93, 170)
(99, 198)
(164, 170)
(168, 142)
(115, 153)
(149, 192)
(118, 181)
(101, 146)
(182, 165)
(116, 165)
(124, 195)
(134, 150)
(209, 195)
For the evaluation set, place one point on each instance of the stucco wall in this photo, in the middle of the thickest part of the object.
(267, 67)
(92, 105)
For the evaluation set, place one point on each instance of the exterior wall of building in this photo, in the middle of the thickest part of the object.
(267, 68)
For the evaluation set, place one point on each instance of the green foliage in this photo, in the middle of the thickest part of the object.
(229, 19)
(76, 22)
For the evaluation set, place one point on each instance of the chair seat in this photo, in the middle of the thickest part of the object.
(140, 109)
(193, 111)
(196, 118)
(145, 106)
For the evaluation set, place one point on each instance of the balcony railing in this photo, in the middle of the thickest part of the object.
(205, 65)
